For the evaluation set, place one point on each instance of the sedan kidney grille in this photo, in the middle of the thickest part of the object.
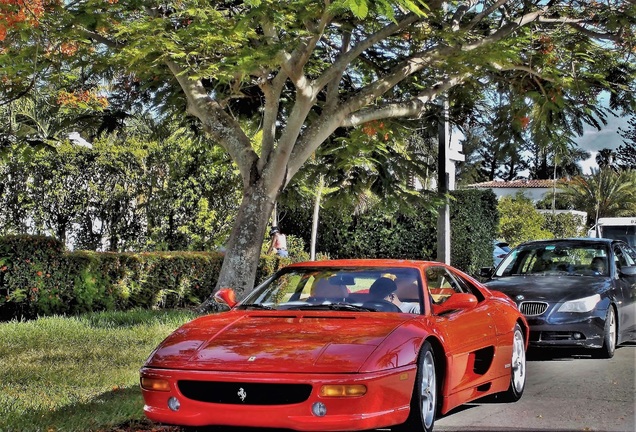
(533, 308)
(244, 393)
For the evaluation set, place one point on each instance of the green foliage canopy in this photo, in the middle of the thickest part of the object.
(309, 68)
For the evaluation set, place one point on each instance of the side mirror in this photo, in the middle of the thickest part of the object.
(628, 271)
(226, 296)
(486, 272)
(455, 302)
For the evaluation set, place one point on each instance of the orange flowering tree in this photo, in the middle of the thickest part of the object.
(302, 70)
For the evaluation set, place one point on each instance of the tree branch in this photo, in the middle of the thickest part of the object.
(272, 90)
(344, 60)
(221, 127)
(411, 108)
(102, 39)
(333, 87)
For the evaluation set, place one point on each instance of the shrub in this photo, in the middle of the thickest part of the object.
(520, 221)
(563, 225)
(37, 277)
(384, 232)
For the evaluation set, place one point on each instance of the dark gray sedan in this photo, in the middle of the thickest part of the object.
(573, 292)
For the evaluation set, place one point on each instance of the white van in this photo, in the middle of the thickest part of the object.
(619, 228)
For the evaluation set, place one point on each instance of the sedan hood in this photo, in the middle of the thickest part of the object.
(277, 341)
(551, 289)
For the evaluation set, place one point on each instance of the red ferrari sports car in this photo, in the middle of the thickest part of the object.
(341, 345)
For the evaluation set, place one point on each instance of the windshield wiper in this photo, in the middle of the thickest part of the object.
(257, 306)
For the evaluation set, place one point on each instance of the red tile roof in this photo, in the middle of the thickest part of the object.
(513, 184)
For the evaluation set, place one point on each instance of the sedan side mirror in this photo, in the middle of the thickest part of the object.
(226, 296)
(486, 272)
(628, 271)
(455, 302)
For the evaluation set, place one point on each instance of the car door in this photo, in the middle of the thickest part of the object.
(469, 333)
(626, 285)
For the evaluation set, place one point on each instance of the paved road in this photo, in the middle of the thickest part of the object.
(564, 393)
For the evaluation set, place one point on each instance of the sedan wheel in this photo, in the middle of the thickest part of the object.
(424, 402)
(609, 339)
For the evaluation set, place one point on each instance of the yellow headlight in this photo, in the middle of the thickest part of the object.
(155, 384)
(351, 390)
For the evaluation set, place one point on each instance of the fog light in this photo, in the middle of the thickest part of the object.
(577, 336)
(319, 409)
(174, 404)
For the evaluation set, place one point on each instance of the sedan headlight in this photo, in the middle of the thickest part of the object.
(585, 304)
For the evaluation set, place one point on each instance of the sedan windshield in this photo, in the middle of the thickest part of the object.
(342, 289)
(568, 259)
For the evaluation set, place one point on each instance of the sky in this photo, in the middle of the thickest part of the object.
(594, 140)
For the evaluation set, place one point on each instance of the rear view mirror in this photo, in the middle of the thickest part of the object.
(341, 280)
(226, 296)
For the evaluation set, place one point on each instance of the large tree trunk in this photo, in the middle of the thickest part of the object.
(243, 249)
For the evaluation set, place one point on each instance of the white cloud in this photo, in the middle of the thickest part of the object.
(594, 140)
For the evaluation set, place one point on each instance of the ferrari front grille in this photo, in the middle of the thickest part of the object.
(237, 393)
(533, 308)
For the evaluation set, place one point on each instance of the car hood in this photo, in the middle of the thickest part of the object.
(276, 341)
(550, 289)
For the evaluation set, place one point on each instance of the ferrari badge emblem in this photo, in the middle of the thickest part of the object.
(242, 394)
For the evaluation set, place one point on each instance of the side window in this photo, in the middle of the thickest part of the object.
(441, 284)
(468, 287)
(620, 259)
(626, 255)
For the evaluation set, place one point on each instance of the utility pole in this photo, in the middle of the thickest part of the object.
(443, 186)
(448, 154)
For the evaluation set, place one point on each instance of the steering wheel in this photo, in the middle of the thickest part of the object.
(381, 306)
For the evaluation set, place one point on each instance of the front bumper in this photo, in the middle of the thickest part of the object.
(386, 402)
(567, 330)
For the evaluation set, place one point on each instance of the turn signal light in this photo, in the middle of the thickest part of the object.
(155, 384)
(343, 390)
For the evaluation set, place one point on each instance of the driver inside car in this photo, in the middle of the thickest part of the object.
(384, 289)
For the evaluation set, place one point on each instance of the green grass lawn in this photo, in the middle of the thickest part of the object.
(78, 373)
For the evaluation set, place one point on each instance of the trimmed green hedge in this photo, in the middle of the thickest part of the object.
(384, 232)
(37, 277)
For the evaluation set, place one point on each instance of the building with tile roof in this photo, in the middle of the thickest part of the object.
(532, 189)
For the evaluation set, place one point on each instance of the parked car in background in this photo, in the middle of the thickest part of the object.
(326, 346)
(573, 292)
(499, 252)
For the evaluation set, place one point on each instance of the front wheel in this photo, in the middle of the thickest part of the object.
(424, 401)
(609, 336)
(517, 366)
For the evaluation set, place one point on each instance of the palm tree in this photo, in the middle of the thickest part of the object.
(604, 193)
(605, 158)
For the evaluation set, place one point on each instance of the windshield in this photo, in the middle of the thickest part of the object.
(336, 289)
(575, 259)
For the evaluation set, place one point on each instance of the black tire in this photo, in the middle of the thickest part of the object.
(609, 336)
(425, 401)
(517, 368)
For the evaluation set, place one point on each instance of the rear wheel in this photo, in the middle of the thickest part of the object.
(424, 402)
(609, 336)
(517, 366)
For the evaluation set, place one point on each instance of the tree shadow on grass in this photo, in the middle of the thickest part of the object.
(120, 407)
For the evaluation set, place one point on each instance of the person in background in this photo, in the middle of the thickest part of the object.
(278, 244)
